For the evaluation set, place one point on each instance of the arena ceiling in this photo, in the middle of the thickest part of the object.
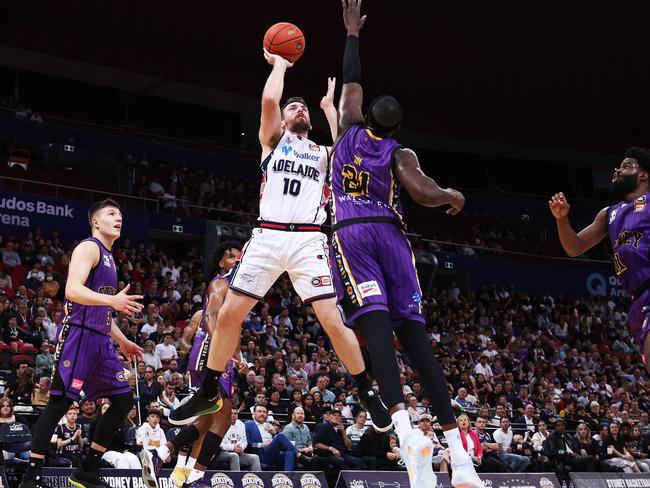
(570, 74)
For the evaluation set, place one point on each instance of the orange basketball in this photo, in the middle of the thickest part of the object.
(286, 40)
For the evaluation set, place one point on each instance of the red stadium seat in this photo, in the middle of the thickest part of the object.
(18, 276)
(181, 324)
(6, 347)
(27, 348)
(18, 358)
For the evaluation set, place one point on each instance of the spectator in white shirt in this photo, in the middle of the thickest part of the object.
(150, 436)
(166, 350)
(233, 446)
(483, 367)
(150, 356)
(503, 437)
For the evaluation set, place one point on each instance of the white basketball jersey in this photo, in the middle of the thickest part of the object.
(294, 183)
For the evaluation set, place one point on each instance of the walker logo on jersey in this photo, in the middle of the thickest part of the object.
(291, 167)
(220, 480)
(77, 384)
(251, 480)
(369, 288)
(612, 216)
(107, 261)
(309, 481)
(286, 150)
(280, 480)
(321, 281)
(307, 156)
(639, 204)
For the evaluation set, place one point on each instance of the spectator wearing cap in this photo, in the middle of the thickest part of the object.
(425, 423)
(332, 441)
(565, 451)
(483, 367)
(166, 350)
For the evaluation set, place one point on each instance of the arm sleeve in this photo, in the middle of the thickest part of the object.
(351, 61)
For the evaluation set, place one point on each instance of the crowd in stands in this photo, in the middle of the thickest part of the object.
(539, 381)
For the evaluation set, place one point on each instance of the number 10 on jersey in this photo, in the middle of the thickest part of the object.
(291, 187)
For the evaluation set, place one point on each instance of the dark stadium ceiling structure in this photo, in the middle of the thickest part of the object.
(572, 74)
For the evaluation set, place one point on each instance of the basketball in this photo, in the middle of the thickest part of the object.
(286, 40)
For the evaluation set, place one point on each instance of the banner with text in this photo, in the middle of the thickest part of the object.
(130, 478)
(399, 479)
(610, 480)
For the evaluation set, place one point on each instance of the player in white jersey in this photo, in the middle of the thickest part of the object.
(288, 237)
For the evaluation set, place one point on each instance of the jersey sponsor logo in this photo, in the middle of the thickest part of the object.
(639, 204)
(77, 384)
(286, 150)
(221, 480)
(321, 281)
(307, 156)
(612, 216)
(291, 167)
(369, 288)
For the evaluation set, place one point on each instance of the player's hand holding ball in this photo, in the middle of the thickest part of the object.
(283, 41)
(456, 200)
(559, 206)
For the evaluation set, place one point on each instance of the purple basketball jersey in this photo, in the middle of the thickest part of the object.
(629, 232)
(102, 279)
(362, 177)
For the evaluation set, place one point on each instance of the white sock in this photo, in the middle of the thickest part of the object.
(195, 474)
(401, 424)
(457, 452)
(190, 462)
(181, 461)
(163, 452)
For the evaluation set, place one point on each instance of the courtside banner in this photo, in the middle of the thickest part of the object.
(399, 479)
(610, 480)
(131, 478)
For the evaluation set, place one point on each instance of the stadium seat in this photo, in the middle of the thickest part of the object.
(27, 348)
(18, 276)
(17, 358)
(6, 347)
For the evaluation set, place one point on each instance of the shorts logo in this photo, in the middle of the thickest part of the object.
(77, 384)
(220, 480)
(309, 481)
(280, 480)
(121, 376)
(251, 480)
(321, 281)
(66, 363)
(247, 278)
(369, 288)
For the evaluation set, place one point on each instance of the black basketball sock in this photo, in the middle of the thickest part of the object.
(362, 381)
(34, 469)
(92, 461)
(209, 449)
(210, 383)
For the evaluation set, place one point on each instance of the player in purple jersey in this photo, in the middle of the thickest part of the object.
(85, 356)
(375, 278)
(206, 432)
(628, 225)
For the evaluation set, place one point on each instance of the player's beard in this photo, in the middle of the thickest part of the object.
(300, 125)
(624, 185)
